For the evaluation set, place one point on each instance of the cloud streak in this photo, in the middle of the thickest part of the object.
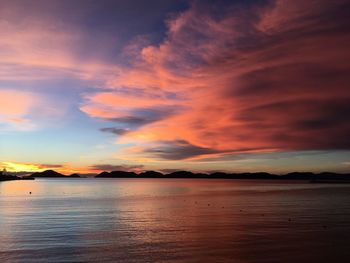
(113, 130)
(26, 111)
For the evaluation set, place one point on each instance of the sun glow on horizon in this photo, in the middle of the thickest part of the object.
(20, 167)
(32, 167)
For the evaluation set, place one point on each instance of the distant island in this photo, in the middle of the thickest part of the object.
(325, 177)
(52, 174)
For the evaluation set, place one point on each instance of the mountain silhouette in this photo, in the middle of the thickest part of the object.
(312, 177)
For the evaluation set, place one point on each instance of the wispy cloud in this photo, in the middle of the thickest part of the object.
(40, 53)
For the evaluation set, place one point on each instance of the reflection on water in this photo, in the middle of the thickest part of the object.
(173, 220)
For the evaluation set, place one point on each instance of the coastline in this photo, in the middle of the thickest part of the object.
(14, 178)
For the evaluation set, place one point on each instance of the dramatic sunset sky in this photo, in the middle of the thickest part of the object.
(236, 85)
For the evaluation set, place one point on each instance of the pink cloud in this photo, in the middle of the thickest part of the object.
(15, 103)
(257, 79)
(25, 111)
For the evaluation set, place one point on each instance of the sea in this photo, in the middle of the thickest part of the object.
(173, 220)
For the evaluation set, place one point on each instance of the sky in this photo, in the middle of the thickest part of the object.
(94, 85)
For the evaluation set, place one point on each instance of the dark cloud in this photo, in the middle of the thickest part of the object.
(142, 116)
(178, 150)
(131, 120)
(111, 167)
(116, 131)
(169, 170)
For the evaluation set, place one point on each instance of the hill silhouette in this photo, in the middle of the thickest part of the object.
(221, 175)
(47, 174)
(75, 175)
(117, 174)
(151, 174)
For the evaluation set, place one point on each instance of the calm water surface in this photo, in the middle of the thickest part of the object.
(173, 220)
